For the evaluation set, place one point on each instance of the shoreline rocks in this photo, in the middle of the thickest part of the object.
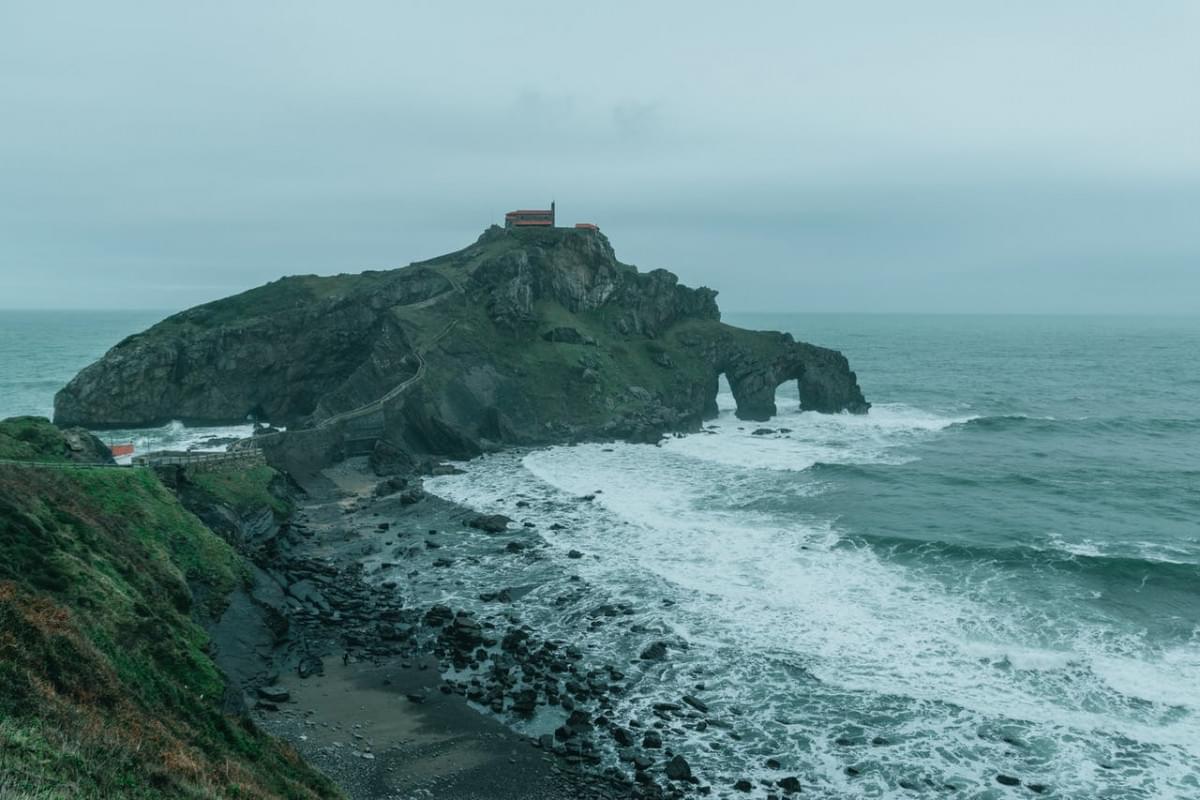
(495, 663)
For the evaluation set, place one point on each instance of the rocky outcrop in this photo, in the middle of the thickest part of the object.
(35, 439)
(567, 335)
(275, 352)
(757, 364)
(580, 272)
(525, 337)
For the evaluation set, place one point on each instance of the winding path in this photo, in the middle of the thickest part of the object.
(377, 404)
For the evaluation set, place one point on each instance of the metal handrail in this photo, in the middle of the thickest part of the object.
(60, 464)
(148, 460)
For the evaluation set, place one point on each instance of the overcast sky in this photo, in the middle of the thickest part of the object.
(950, 156)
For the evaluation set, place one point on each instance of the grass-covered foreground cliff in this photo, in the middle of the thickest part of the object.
(106, 688)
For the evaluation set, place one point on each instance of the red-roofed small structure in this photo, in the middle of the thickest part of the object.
(587, 226)
(530, 218)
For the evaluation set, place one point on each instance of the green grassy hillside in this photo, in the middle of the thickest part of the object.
(106, 690)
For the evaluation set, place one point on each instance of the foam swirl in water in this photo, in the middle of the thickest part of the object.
(824, 651)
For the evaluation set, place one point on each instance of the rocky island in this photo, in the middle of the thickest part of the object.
(320, 593)
(526, 337)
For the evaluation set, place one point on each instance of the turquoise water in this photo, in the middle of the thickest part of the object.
(1083, 433)
(41, 350)
(997, 571)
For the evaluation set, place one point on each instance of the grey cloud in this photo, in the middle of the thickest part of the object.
(925, 156)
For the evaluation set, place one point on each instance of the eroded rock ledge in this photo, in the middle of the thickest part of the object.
(524, 337)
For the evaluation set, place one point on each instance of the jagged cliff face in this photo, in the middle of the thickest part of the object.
(526, 336)
(579, 271)
(275, 351)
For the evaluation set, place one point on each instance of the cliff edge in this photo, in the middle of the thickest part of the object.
(109, 683)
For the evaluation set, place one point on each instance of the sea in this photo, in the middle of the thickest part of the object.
(40, 351)
(996, 572)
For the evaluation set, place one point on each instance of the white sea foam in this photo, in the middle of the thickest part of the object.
(808, 439)
(175, 436)
(1168, 680)
(1160, 552)
(808, 633)
(1084, 547)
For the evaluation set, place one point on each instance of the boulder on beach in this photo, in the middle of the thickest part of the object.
(490, 523)
(621, 736)
(310, 665)
(655, 652)
(274, 694)
(678, 769)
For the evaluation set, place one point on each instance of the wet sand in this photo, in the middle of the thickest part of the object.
(357, 724)
(384, 727)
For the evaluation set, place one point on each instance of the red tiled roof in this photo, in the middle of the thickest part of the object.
(589, 226)
(523, 222)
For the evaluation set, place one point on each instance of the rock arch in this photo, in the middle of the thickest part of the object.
(824, 380)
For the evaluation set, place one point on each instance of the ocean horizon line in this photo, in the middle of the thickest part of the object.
(826, 312)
